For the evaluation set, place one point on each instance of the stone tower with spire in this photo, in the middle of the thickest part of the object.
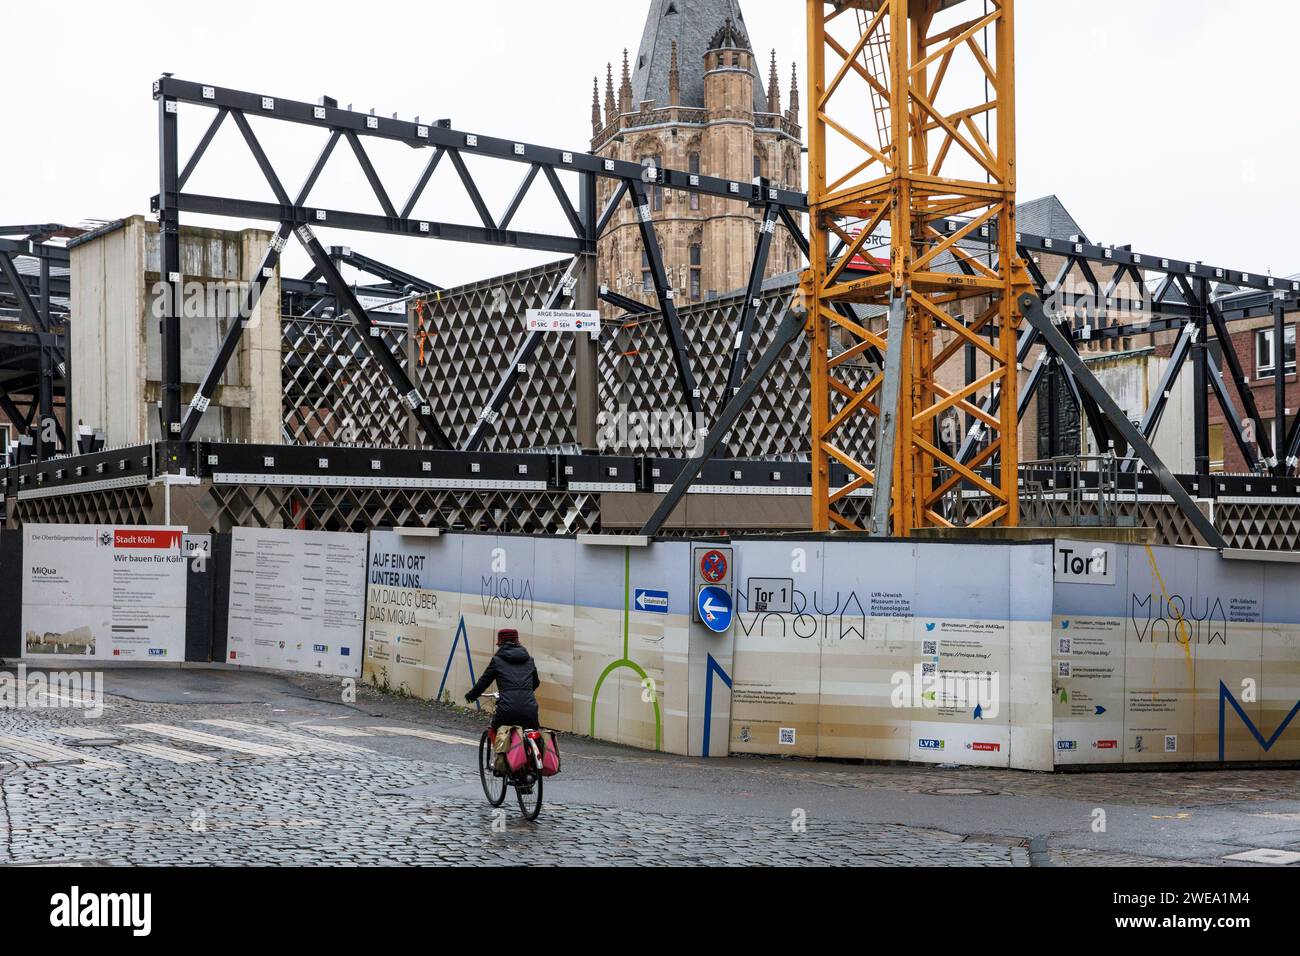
(693, 100)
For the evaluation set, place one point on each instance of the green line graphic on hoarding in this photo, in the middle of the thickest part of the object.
(625, 661)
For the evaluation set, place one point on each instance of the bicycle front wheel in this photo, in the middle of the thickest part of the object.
(494, 785)
(530, 797)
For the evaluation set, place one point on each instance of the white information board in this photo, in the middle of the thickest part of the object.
(297, 600)
(104, 592)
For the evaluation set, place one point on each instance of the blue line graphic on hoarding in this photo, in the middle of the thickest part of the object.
(1225, 696)
(713, 668)
(460, 632)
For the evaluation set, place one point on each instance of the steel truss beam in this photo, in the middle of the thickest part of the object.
(786, 332)
(370, 334)
(1232, 416)
(20, 421)
(398, 279)
(753, 289)
(631, 306)
(1187, 340)
(293, 213)
(1129, 264)
(565, 288)
(329, 117)
(562, 290)
(49, 346)
(1292, 453)
(311, 295)
(667, 300)
(1032, 309)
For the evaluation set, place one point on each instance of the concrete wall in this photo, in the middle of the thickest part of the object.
(1133, 379)
(116, 340)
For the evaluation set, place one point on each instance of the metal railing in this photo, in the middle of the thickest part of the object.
(1076, 491)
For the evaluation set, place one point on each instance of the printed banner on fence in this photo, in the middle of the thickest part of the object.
(103, 591)
(297, 600)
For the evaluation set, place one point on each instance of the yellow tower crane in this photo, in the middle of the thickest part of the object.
(931, 371)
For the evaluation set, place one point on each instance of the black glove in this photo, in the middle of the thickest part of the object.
(469, 698)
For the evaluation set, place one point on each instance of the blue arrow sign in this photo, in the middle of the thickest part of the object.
(714, 604)
(650, 600)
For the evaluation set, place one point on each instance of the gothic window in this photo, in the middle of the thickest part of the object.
(697, 261)
(693, 167)
(647, 277)
(758, 166)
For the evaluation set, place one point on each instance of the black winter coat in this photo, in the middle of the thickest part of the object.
(516, 678)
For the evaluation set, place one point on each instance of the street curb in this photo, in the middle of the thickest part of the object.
(1039, 855)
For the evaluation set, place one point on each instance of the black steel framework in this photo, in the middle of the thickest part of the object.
(1182, 302)
(295, 216)
(311, 296)
(34, 350)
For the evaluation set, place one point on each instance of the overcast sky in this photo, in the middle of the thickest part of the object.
(1169, 124)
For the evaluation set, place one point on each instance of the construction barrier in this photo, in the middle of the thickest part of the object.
(1025, 655)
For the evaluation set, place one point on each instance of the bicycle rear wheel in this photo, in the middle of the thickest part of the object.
(494, 786)
(530, 797)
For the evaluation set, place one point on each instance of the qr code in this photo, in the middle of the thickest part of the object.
(928, 669)
(787, 736)
(930, 648)
(1065, 645)
(1171, 743)
(1063, 669)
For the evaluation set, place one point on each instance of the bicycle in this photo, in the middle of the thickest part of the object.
(527, 781)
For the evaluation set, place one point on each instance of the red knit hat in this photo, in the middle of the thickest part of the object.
(507, 635)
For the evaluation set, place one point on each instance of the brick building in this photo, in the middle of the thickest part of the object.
(693, 100)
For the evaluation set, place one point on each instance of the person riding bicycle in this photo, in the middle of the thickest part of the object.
(516, 678)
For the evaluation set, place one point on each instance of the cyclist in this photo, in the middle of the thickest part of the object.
(516, 678)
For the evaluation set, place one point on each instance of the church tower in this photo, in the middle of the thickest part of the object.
(693, 99)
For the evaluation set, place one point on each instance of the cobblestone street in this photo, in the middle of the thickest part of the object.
(191, 767)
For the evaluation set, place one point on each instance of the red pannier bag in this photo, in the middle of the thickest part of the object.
(516, 756)
(550, 754)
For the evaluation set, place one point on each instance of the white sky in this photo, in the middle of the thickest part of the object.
(1168, 124)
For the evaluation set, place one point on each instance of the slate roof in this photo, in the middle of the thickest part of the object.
(692, 23)
(1047, 217)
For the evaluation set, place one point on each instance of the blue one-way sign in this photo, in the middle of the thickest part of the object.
(714, 604)
(646, 599)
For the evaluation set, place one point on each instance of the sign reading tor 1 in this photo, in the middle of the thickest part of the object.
(1084, 562)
